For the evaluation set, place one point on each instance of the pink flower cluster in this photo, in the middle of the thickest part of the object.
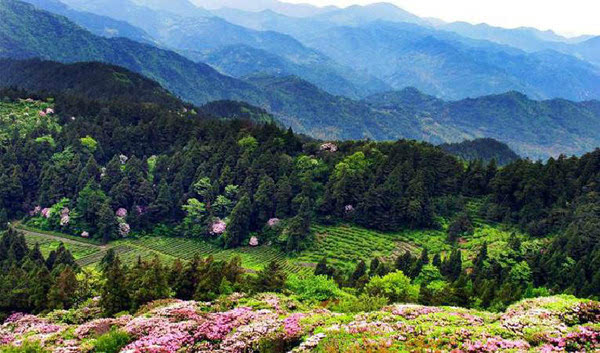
(411, 312)
(348, 209)
(218, 227)
(124, 229)
(6, 337)
(85, 234)
(94, 328)
(121, 213)
(179, 311)
(33, 327)
(46, 212)
(273, 222)
(253, 241)
(159, 335)
(291, 324)
(64, 217)
(493, 344)
(584, 336)
(218, 325)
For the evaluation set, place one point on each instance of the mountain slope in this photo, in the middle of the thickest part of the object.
(192, 33)
(535, 129)
(453, 67)
(99, 25)
(91, 80)
(438, 61)
(485, 149)
(242, 60)
(27, 32)
(530, 39)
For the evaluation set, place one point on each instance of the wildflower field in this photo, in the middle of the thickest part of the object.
(276, 323)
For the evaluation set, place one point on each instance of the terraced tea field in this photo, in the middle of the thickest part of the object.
(47, 244)
(343, 245)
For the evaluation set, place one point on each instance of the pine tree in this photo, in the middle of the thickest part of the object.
(89, 173)
(298, 230)
(359, 272)
(61, 294)
(112, 175)
(405, 262)
(114, 293)
(271, 279)
(162, 207)
(107, 222)
(283, 198)
(264, 202)
(239, 223)
(151, 283)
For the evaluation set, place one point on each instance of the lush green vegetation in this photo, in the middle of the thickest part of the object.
(211, 313)
(166, 181)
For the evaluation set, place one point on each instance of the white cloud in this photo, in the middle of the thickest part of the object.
(573, 17)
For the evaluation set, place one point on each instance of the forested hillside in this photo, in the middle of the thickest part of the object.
(121, 168)
(91, 80)
(484, 150)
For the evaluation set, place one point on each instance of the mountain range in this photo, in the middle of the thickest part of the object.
(332, 74)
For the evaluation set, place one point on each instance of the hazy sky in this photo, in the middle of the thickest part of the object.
(568, 17)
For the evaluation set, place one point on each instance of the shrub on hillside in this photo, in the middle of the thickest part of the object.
(395, 286)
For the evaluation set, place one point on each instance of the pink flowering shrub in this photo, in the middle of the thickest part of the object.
(177, 326)
(253, 241)
(94, 328)
(218, 325)
(291, 324)
(218, 227)
(121, 213)
(42, 113)
(64, 220)
(49, 111)
(411, 312)
(494, 344)
(46, 213)
(273, 222)
(85, 234)
(124, 229)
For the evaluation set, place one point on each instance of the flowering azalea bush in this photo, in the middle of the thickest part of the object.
(253, 241)
(124, 229)
(121, 213)
(218, 227)
(273, 222)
